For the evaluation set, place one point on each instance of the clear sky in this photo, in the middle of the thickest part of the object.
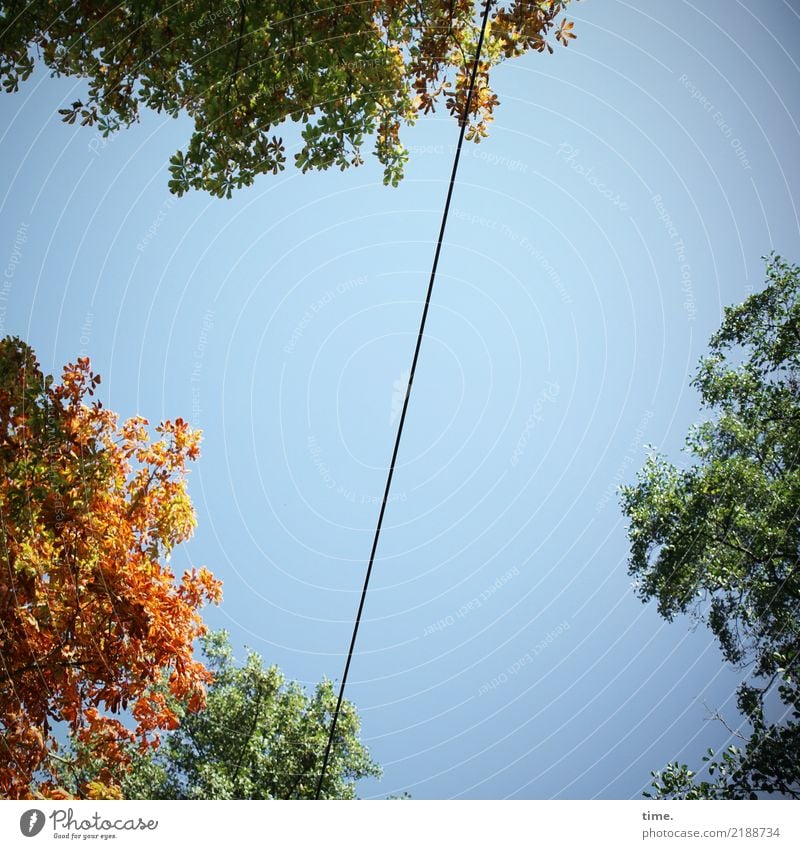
(628, 190)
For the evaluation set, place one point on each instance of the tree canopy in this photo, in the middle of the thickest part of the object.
(258, 737)
(721, 539)
(92, 619)
(239, 70)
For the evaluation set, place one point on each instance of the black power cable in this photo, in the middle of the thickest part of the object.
(463, 123)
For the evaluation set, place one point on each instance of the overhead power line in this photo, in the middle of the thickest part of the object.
(463, 126)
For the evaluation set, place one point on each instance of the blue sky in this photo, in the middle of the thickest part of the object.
(630, 185)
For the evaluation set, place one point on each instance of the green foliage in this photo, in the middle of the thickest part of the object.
(258, 737)
(344, 70)
(721, 539)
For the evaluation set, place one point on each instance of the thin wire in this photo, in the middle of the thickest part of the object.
(463, 123)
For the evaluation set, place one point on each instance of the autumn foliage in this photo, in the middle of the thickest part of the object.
(91, 616)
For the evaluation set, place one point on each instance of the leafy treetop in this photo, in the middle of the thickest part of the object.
(91, 616)
(258, 737)
(344, 70)
(721, 539)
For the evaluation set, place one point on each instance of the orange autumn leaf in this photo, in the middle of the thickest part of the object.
(564, 32)
(92, 616)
